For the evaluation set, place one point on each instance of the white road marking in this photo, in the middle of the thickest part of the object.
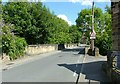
(74, 74)
(82, 68)
(78, 61)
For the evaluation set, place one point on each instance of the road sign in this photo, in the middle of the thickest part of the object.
(92, 35)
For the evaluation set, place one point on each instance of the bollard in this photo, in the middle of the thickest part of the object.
(86, 49)
(96, 52)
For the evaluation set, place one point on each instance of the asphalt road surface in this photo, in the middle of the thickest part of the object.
(59, 67)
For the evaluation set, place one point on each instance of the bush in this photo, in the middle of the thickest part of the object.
(0, 46)
(104, 43)
(12, 45)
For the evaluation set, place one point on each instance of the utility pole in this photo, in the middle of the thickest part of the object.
(92, 40)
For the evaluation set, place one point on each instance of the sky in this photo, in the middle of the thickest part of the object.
(69, 9)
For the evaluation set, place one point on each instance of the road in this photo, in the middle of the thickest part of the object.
(59, 67)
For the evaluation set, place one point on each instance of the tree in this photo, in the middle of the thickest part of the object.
(75, 34)
(36, 23)
(84, 21)
(104, 34)
(58, 31)
(108, 9)
(102, 26)
(17, 13)
(0, 28)
(30, 20)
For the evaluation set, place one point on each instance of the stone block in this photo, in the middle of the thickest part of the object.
(96, 52)
(5, 58)
(87, 49)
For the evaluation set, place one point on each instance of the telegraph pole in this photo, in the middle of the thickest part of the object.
(92, 40)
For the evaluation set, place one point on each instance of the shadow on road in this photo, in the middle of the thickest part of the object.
(92, 71)
(80, 50)
(72, 67)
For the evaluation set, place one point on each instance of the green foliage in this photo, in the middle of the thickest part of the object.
(12, 45)
(104, 34)
(36, 23)
(102, 26)
(74, 34)
(108, 9)
(0, 28)
(58, 31)
(84, 21)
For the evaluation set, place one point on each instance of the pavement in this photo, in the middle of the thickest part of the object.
(92, 70)
(69, 65)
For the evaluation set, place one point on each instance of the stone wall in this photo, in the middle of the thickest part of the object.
(113, 57)
(71, 45)
(44, 48)
(115, 6)
(38, 49)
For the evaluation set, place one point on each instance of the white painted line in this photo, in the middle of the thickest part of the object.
(78, 61)
(82, 67)
(74, 74)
